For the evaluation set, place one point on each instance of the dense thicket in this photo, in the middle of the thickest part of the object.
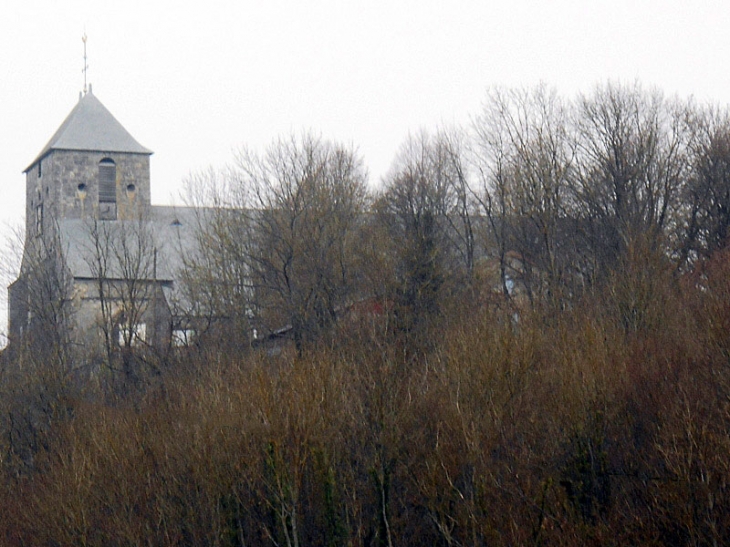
(523, 338)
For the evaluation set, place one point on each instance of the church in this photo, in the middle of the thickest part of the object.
(100, 262)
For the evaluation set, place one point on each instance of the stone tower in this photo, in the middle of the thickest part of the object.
(91, 167)
(90, 170)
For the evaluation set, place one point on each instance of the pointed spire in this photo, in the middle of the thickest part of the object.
(91, 127)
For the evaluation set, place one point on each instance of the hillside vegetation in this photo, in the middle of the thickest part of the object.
(524, 341)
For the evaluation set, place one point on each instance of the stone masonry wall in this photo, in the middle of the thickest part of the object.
(68, 186)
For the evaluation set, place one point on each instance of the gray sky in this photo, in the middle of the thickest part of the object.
(195, 80)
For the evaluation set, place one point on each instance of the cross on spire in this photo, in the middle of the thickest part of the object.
(86, 66)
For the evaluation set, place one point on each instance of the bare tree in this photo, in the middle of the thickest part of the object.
(705, 206)
(568, 188)
(36, 376)
(630, 168)
(426, 212)
(12, 251)
(43, 315)
(449, 157)
(285, 233)
(525, 152)
(217, 293)
(122, 259)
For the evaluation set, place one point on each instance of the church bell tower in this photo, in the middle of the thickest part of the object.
(90, 168)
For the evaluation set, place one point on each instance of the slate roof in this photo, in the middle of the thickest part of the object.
(173, 235)
(171, 231)
(90, 126)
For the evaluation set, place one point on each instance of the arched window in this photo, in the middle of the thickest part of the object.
(107, 189)
(107, 181)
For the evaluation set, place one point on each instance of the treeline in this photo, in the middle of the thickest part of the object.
(520, 339)
(542, 198)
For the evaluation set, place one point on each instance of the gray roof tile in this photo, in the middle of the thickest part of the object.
(90, 126)
(171, 232)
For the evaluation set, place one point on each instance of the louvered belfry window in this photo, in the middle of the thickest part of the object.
(107, 181)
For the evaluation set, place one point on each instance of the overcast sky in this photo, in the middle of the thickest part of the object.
(195, 80)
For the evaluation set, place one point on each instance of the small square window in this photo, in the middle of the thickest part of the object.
(137, 334)
(182, 337)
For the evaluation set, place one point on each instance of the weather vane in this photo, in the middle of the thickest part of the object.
(86, 66)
